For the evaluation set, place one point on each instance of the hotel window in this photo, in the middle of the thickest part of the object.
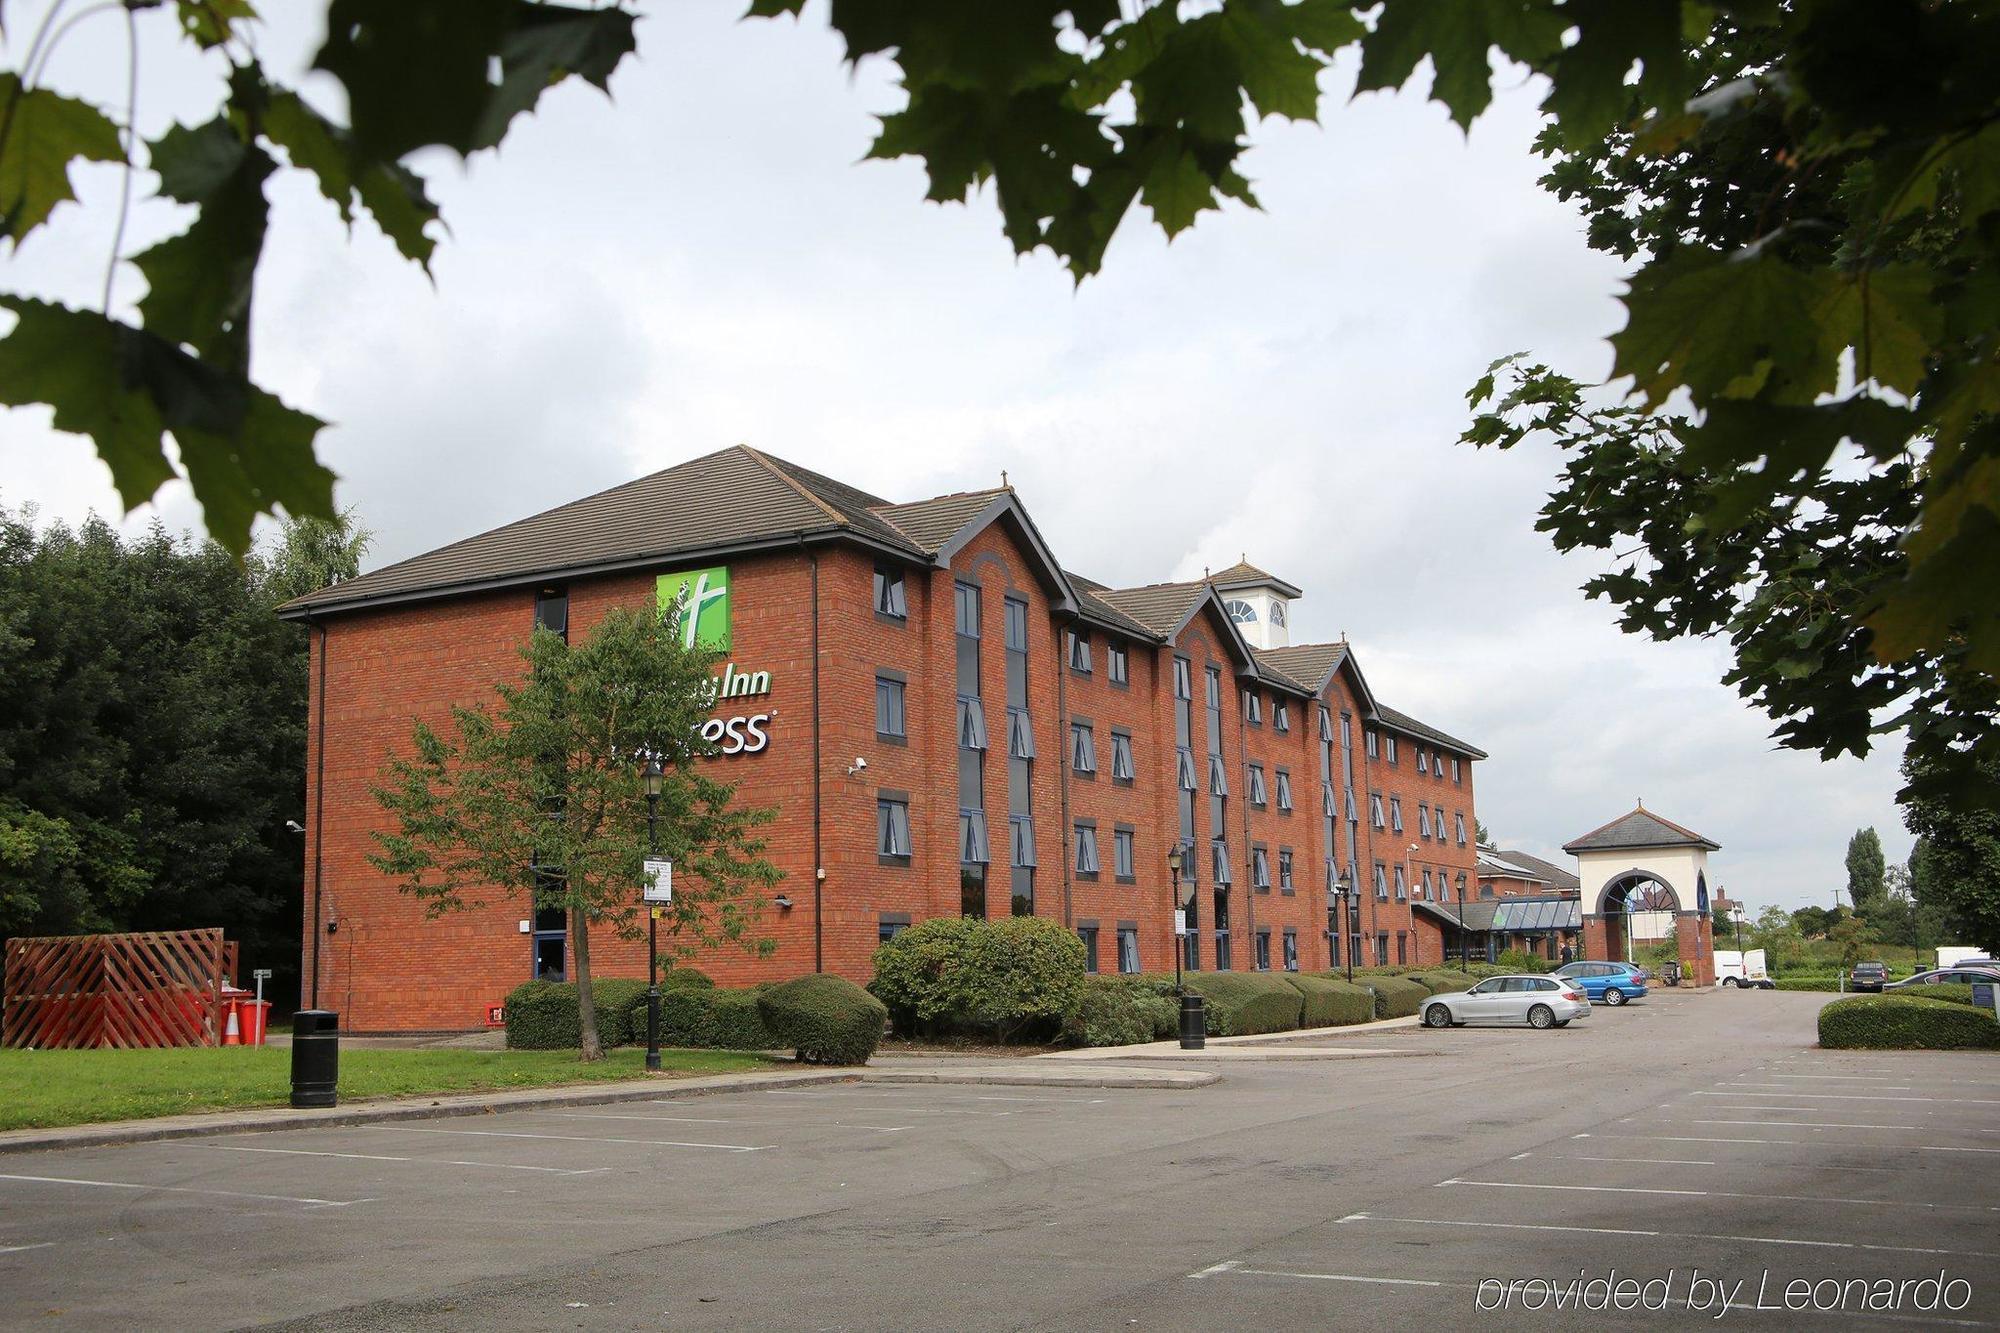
(890, 925)
(1325, 723)
(890, 603)
(1079, 653)
(1389, 747)
(1087, 932)
(552, 611)
(1258, 796)
(1350, 806)
(1122, 769)
(1458, 823)
(1396, 813)
(1264, 949)
(1402, 947)
(1381, 882)
(1128, 948)
(971, 723)
(1402, 886)
(1421, 761)
(965, 609)
(1285, 870)
(1241, 612)
(1020, 734)
(1122, 860)
(1284, 790)
(1260, 870)
(1291, 949)
(1281, 715)
(1374, 743)
(1253, 708)
(1086, 850)
(1184, 770)
(1327, 801)
(892, 828)
(1218, 855)
(1082, 748)
(1117, 669)
(1381, 948)
(1455, 775)
(1183, 680)
(1424, 888)
(889, 716)
(1375, 812)
(1021, 840)
(1223, 954)
(1218, 776)
(1423, 820)
(1214, 683)
(972, 837)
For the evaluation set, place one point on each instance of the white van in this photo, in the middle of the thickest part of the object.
(1742, 969)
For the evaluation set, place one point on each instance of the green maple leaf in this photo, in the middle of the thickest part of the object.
(208, 21)
(201, 282)
(1278, 78)
(41, 133)
(1176, 188)
(1890, 320)
(1724, 326)
(245, 452)
(1590, 94)
(1456, 35)
(393, 195)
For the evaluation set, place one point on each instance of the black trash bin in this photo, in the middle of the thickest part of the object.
(1194, 1023)
(315, 1057)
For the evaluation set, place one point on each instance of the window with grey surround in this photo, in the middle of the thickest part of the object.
(1375, 812)
(1128, 948)
(1086, 850)
(1253, 708)
(1087, 932)
(890, 720)
(1455, 772)
(1263, 949)
(1260, 869)
(1423, 820)
(1381, 948)
(1258, 795)
(1079, 653)
(1281, 715)
(1424, 887)
(1285, 870)
(1117, 668)
(1328, 800)
(892, 828)
(1291, 950)
(1183, 680)
(890, 603)
(1122, 768)
(1184, 765)
(1284, 790)
(1374, 743)
(1325, 723)
(552, 611)
(1218, 855)
(972, 836)
(1218, 776)
(1021, 840)
(1458, 822)
(971, 723)
(1082, 748)
(890, 925)
(1389, 747)
(1396, 813)
(1422, 762)
(1020, 734)
(1402, 886)
(1381, 882)
(1123, 863)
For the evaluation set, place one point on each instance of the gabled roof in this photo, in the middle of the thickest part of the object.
(1242, 574)
(1409, 726)
(1492, 866)
(1163, 608)
(943, 526)
(1310, 664)
(932, 523)
(1640, 828)
(731, 500)
(1092, 607)
(1547, 871)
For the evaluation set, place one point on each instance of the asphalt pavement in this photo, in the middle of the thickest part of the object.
(1647, 1165)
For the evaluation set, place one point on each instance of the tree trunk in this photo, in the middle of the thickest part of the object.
(586, 997)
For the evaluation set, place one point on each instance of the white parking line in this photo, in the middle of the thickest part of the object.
(1235, 1268)
(1686, 1138)
(1808, 1124)
(907, 1110)
(1066, 1101)
(378, 1157)
(1927, 1148)
(1669, 1235)
(1858, 1097)
(1722, 1194)
(1636, 1161)
(1794, 1088)
(575, 1138)
(690, 1120)
(188, 1189)
(16, 1249)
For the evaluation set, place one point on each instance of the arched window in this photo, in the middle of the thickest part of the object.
(1277, 613)
(1241, 612)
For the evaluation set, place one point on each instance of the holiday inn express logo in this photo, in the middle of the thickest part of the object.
(703, 597)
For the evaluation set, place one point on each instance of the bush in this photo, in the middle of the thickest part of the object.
(1519, 960)
(1330, 1003)
(706, 1016)
(827, 1020)
(1900, 1022)
(1241, 1003)
(1005, 979)
(680, 978)
(542, 1015)
(1808, 983)
(1444, 981)
(1958, 992)
(1398, 997)
(1120, 1011)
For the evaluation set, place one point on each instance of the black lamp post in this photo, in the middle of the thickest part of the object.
(1464, 943)
(653, 776)
(1174, 868)
(1194, 1022)
(1342, 887)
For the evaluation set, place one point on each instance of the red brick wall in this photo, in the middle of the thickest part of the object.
(1442, 859)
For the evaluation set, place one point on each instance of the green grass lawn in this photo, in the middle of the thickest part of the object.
(42, 1089)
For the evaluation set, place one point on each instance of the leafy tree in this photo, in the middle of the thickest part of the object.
(1813, 922)
(542, 799)
(1482, 834)
(1778, 935)
(1956, 865)
(1866, 867)
(1848, 931)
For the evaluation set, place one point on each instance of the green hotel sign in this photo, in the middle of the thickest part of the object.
(703, 598)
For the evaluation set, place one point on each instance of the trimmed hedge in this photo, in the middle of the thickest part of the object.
(1958, 992)
(827, 1020)
(1808, 983)
(1330, 1003)
(1398, 997)
(1900, 1022)
(1444, 981)
(1011, 978)
(1240, 1003)
(542, 1015)
(682, 978)
(1121, 1011)
(707, 1016)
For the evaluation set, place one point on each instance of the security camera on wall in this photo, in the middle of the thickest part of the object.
(857, 766)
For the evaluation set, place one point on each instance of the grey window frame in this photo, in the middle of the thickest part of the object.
(1281, 715)
(1128, 933)
(1084, 840)
(1381, 882)
(1124, 853)
(1260, 867)
(1262, 960)
(1376, 819)
(891, 586)
(1396, 813)
(1122, 757)
(971, 722)
(1253, 708)
(1083, 747)
(973, 846)
(1258, 791)
(1087, 932)
(1079, 651)
(1283, 778)
(1287, 871)
(1218, 860)
(899, 693)
(1020, 734)
(1021, 840)
(1117, 665)
(889, 805)
(1389, 745)
(1291, 949)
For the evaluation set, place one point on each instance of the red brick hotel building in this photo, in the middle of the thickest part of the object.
(947, 720)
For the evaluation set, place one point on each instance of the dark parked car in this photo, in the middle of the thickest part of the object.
(1961, 974)
(1868, 976)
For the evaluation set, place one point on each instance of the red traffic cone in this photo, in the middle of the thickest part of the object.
(232, 1035)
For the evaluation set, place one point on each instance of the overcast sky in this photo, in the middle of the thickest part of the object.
(705, 261)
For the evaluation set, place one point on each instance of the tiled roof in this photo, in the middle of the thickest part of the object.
(734, 497)
(1310, 664)
(1494, 867)
(1640, 828)
(1547, 870)
(1403, 722)
(1160, 607)
(1092, 604)
(1242, 574)
(932, 523)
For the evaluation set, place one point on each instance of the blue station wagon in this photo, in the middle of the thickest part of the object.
(1608, 983)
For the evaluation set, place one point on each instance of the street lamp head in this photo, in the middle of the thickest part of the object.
(654, 774)
(1174, 860)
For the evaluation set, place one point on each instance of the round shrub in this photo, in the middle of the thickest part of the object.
(1330, 1003)
(1899, 1022)
(1398, 997)
(542, 1015)
(1119, 1011)
(827, 1020)
(683, 978)
(958, 975)
(1237, 1004)
(1520, 960)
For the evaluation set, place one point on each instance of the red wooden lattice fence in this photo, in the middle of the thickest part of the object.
(158, 988)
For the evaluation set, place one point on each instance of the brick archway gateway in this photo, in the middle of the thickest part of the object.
(1624, 896)
(1652, 864)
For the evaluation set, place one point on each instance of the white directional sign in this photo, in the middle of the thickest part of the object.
(659, 881)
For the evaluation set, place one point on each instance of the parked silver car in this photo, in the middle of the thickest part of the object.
(1540, 1002)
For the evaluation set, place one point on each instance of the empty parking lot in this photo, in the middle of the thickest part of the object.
(1685, 1140)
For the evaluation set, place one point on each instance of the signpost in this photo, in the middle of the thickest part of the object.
(659, 887)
